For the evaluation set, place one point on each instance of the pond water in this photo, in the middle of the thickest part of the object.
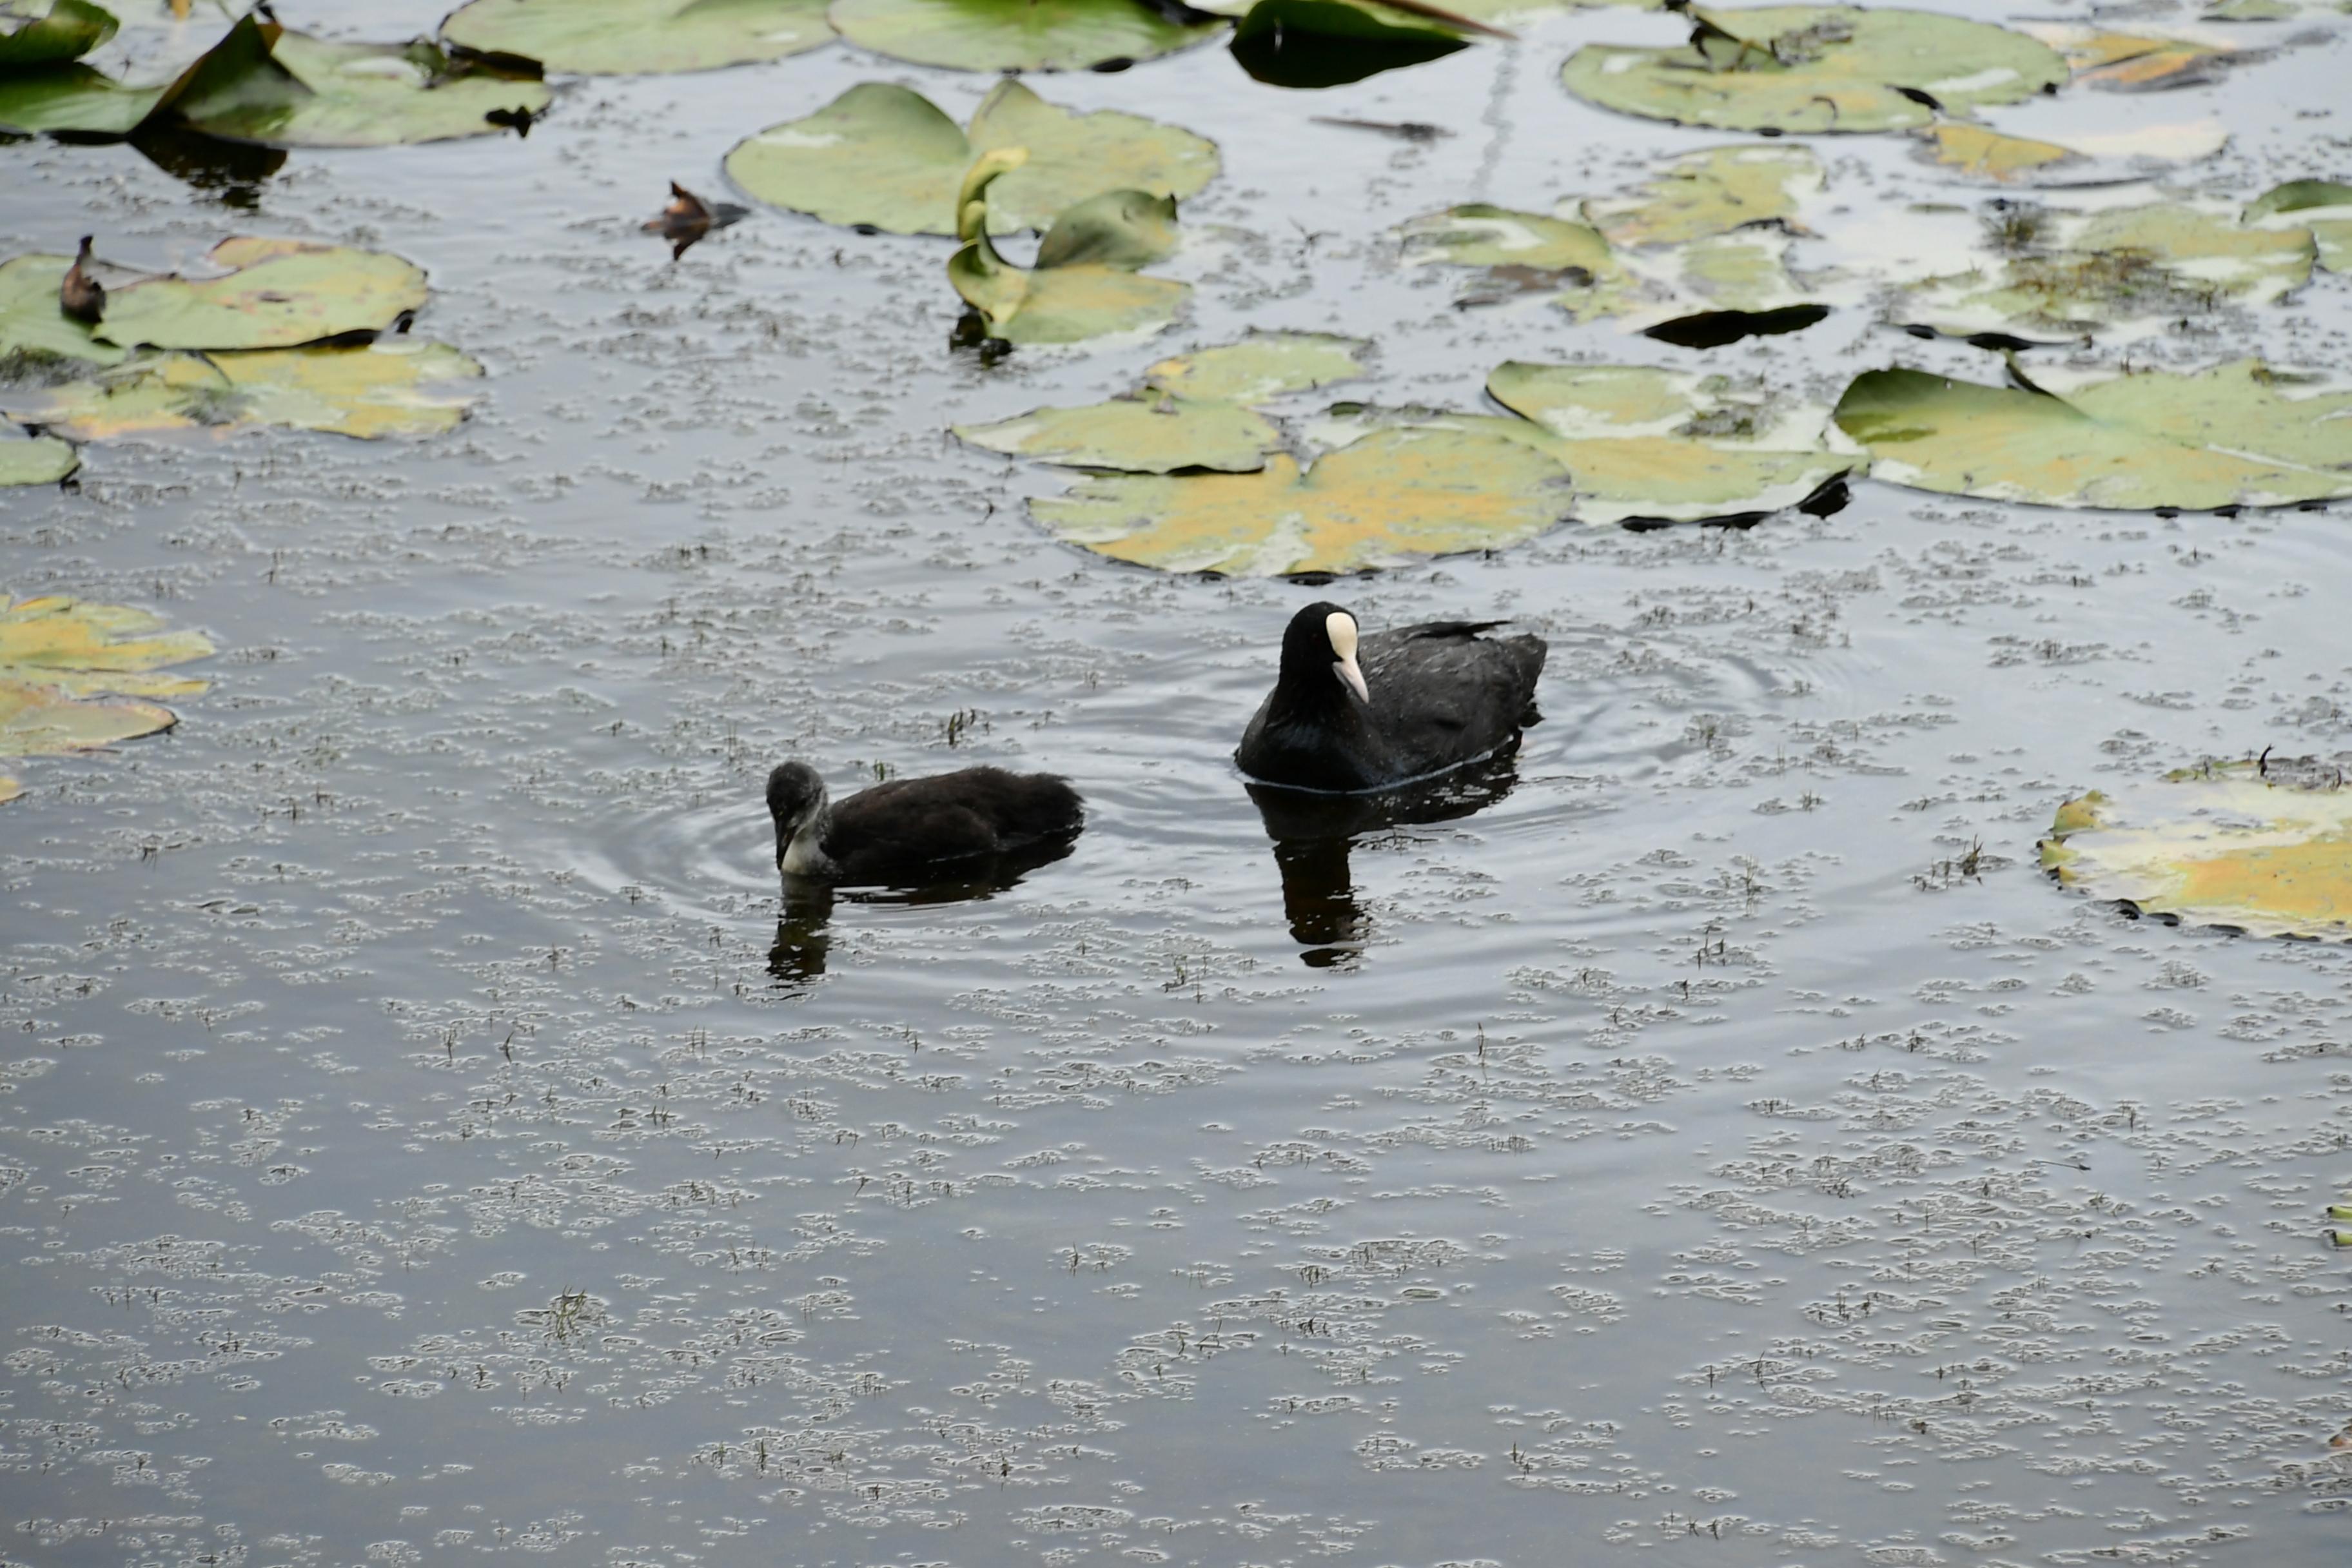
(426, 1134)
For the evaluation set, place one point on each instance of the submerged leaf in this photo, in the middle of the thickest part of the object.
(1262, 365)
(1017, 35)
(1329, 43)
(883, 156)
(1816, 69)
(381, 390)
(71, 672)
(1393, 497)
(638, 37)
(2236, 434)
(1152, 434)
(42, 460)
(2260, 846)
(274, 293)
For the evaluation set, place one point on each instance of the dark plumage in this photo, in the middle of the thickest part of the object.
(1351, 713)
(911, 831)
(80, 295)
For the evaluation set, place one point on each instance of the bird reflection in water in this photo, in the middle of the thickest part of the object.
(1314, 834)
(805, 928)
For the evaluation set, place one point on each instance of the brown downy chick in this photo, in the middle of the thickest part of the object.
(689, 217)
(80, 295)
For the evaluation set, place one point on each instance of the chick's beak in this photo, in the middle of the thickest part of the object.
(1351, 677)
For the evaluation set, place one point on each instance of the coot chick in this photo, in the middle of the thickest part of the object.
(1350, 713)
(911, 831)
(80, 295)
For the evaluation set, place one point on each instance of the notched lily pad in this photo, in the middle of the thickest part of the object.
(884, 157)
(2262, 847)
(1393, 497)
(1817, 68)
(270, 294)
(640, 37)
(1020, 34)
(40, 461)
(403, 388)
(1084, 283)
(2237, 434)
(1262, 365)
(75, 675)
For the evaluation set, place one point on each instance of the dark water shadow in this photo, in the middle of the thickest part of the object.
(1315, 837)
(233, 172)
(804, 927)
(1283, 57)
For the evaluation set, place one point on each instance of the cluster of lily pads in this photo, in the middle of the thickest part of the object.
(76, 675)
(279, 332)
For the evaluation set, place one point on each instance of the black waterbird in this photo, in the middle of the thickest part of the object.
(973, 826)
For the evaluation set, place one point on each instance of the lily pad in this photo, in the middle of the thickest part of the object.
(1973, 150)
(273, 293)
(1262, 365)
(2324, 206)
(2259, 847)
(2236, 434)
(42, 460)
(1329, 43)
(284, 88)
(1017, 35)
(1479, 234)
(399, 388)
(75, 98)
(1084, 284)
(2127, 62)
(1393, 497)
(67, 30)
(72, 674)
(640, 37)
(1817, 68)
(1154, 433)
(36, 339)
(1713, 192)
(883, 157)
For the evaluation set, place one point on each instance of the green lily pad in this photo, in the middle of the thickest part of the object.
(2080, 272)
(273, 293)
(1816, 69)
(1084, 284)
(284, 88)
(1262, 365)
(1480, 234)
(2324, 206)
(1973, 150)
(1014, 35)
(67, 30)
(1329, 43)
(640, 37)
(41, 461)
(2237, 434)
(37, 340)
(1393, 497)
(73, 97)
(884, 157)
(1713, 192)
(2259, 847)
(1149, 434)
(400, 388)
(73, 674)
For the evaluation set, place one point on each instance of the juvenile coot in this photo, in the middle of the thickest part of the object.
(80, 295)
(1350, 713)
(910, 831)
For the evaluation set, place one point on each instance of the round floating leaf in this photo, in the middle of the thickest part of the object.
(1147, 434)
(1126, 229)
(37, 340)
(2224, 846)
(1478, 234)
(2237, 434)
(385, 389)
(1704, 194)
(274, 293)
(640, 37)
(70, 672)
(1973, 150)
(2324, 206)
(68, 30)
(1060, 304)
(1262, 365)
(43, 460)
(1390, 498)
(1329, 43)
(882, 156)
(287, 89)
(1014, 35)
(73, 98)
(1815, 68)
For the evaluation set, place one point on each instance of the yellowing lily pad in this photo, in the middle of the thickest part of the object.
(2237, 434)
(42, 460)
(1152, 434)
(883, 157)
(395, 388)
(1393, 497)
(273, 293)
(72, 674)
(1713, 192)
(1973, 150)
(1262, 365)
(2263, 847)
(1816, 69)
(1014, 34)
(2128, 62)
(37, 340)
(636, 38)
(2324, 206)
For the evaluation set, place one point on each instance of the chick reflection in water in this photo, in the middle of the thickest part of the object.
(963, 835)
(1364, 733)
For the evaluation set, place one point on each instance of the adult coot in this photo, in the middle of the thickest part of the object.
(912, 831)
(1350, 713)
